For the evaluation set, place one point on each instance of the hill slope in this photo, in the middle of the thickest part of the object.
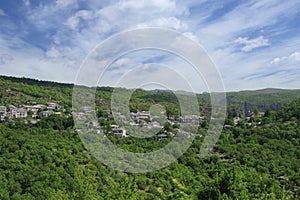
(46, 160)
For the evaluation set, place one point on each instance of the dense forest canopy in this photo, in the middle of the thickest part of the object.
(256, 157)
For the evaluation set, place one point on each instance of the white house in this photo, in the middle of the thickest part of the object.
(14, 112)
(2, 113)
(21, 113)
(45, 113)
(119, 132)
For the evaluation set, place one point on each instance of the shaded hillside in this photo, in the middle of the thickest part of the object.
(245, 102)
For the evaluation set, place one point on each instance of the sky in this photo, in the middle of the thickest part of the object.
(254, 44)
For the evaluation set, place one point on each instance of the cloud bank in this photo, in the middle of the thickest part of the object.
(254, 44)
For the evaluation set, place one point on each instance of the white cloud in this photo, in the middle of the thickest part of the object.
(121, 62)
(75, 19)
(64, 3)
(247, 16)
(192, 36)
(2, 13)
(26, 2)
(5, 58)
(53, 53)
(29, 62)
(63, 56)
(278, 59)
(132, 14)
(50, 15)
(154, 6)
(170, 22)
(155, 75)
(115, 17)
(293, 57)
(74, 31)
(90, 27)
(250, 44)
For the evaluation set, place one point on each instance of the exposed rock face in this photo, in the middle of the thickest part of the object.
(247, 109)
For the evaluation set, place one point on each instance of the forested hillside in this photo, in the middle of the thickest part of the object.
(255, 158)
(245, 102)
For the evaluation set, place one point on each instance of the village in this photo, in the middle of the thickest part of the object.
(145, 120)
(30, 112)
(142, 121)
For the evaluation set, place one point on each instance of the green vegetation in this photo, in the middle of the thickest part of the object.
(263, 100)
(255, 158)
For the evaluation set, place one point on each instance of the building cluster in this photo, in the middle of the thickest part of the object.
(84, 112)
(139, 119)
(248, 120)
(189, 118)
(145, 119)
(13, 112)
(142, 119)
(141, 116)
(118, 131)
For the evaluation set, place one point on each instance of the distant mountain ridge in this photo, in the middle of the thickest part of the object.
(46, 82)
(241, 102)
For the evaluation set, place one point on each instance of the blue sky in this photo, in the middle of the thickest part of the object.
(254, 44)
